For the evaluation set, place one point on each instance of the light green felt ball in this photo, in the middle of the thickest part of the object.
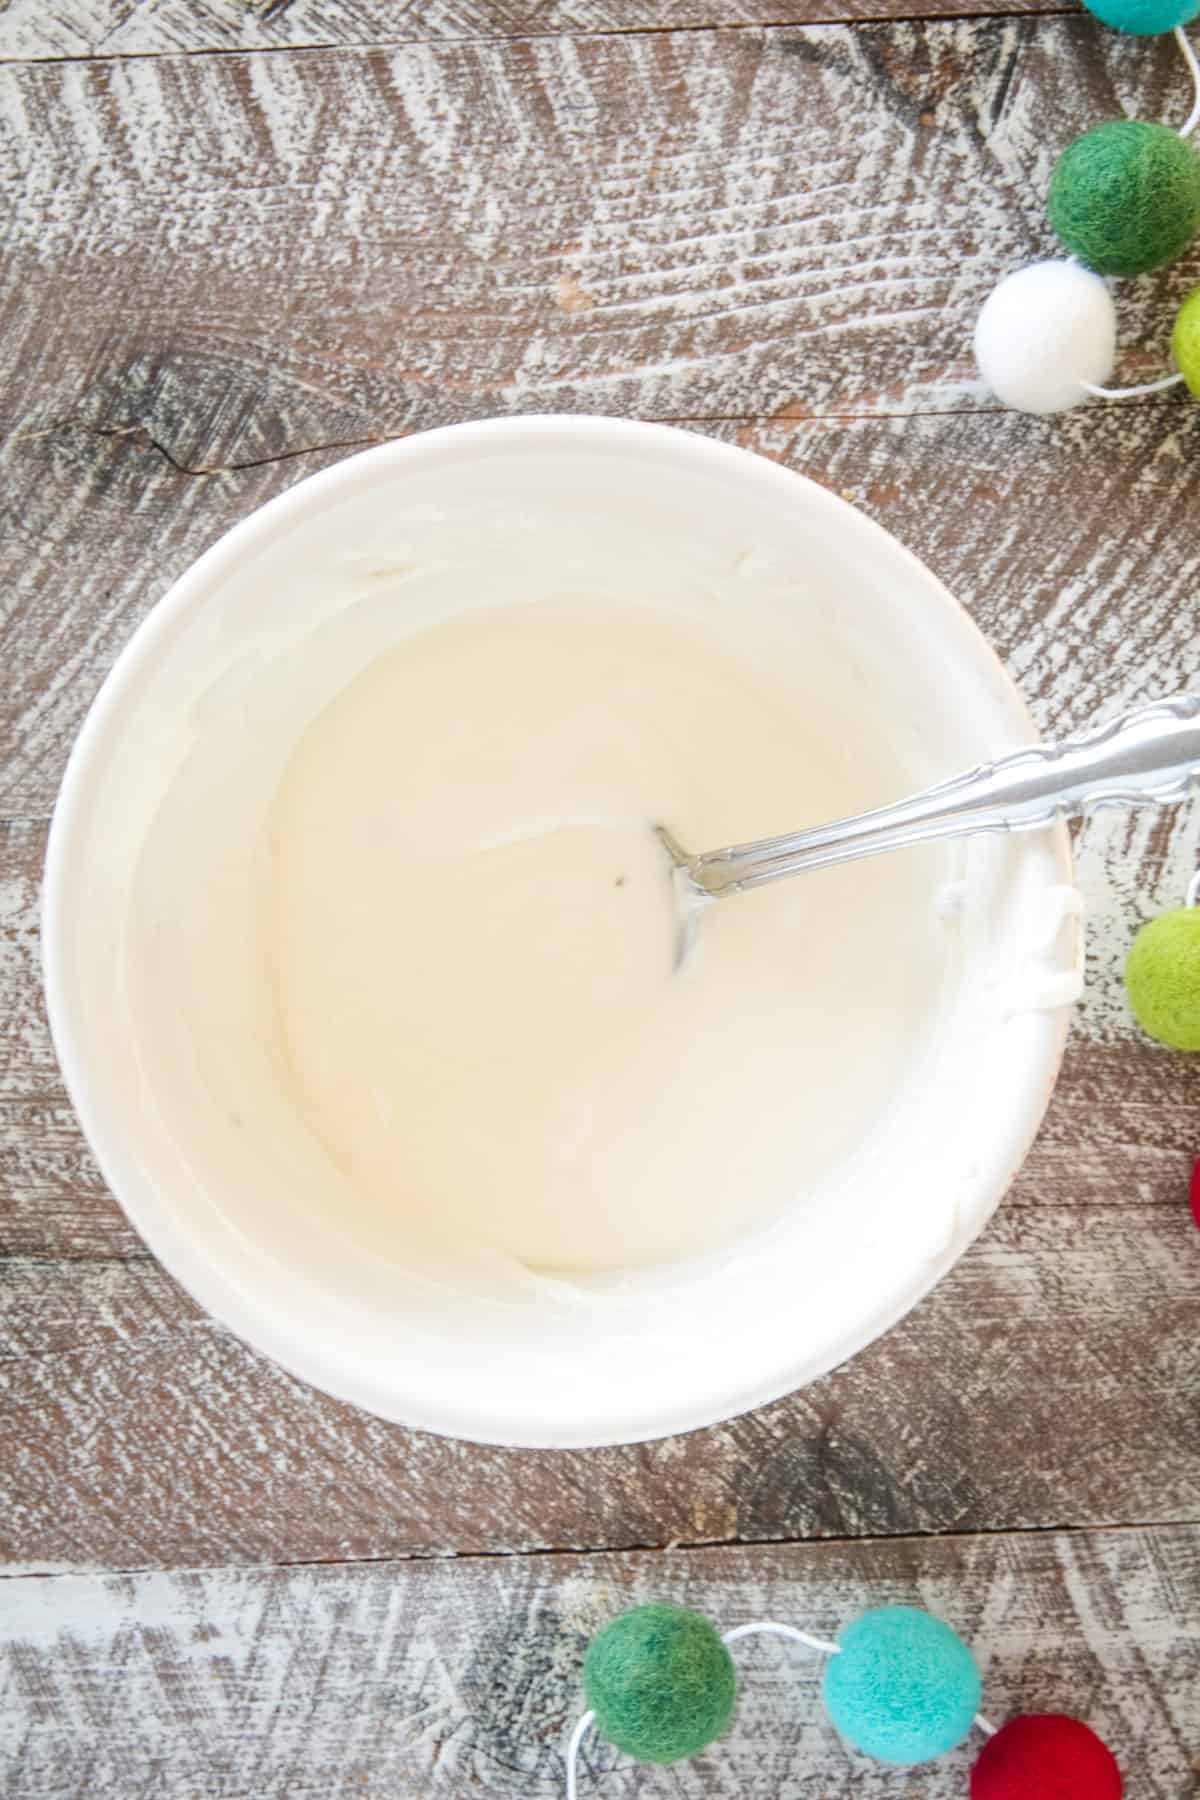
(660, 1682)
(1125, 197)
(1185, 341)
(1162, 978)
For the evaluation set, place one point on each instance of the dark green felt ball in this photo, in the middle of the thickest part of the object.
(1125, 197)
(1162, 978)
(660, 1682)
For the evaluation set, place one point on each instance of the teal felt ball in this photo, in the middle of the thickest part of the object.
(1144, 17)
(1162, 978)
(903, 1686)
(1125, 197)
(660, 1682)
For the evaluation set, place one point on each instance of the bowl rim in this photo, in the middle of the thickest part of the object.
(182, 1251)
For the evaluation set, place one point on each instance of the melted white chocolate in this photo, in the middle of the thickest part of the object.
(469, 929)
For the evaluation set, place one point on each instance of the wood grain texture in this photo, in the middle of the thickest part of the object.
(141, 1434)
(411, 1680)
(1069, 541)
(248, 255)
(219, 272)
(1121, 1130)
(1053, 1376)
(1093, 601)
(31, 29)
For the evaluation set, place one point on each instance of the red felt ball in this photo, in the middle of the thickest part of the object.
(1045, 1756)
(1196, 1195)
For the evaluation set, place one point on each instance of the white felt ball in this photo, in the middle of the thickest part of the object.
(1042, 333)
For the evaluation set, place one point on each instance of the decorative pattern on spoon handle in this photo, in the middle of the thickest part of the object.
(1150, 756)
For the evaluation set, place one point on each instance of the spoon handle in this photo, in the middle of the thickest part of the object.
(1149, 756)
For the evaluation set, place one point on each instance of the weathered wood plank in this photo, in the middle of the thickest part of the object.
(34, 29)
(53, 1199)
(28, 1069)
(1053, 1377)
(252, 254)
(119, 1387)
(1121, 1130)
(1093, 602)
(380, 301)
(1070, 541)
(93, 530)
(417, 1679)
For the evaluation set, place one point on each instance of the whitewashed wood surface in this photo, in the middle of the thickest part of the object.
(391, 1679)
(74, 28)
(251, 255)
(222, 270)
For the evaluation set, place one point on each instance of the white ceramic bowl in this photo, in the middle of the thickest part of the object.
(680, 1347)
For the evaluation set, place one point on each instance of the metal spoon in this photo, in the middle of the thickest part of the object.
(1149, 756)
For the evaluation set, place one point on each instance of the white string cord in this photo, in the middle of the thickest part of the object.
(1189, 57)
(1193, 890)
(984, 1725)
(577, 1736)
(1144, 387)
(768, 1627)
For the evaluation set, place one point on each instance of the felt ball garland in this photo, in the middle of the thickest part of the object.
(899, 1685)
(1124, 198)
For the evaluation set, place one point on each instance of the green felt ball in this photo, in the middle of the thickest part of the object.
(1162, 978)
(660, 1682)
(1185, 341)
(1125, 196)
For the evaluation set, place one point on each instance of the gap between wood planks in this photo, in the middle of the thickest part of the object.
(100, 55)
(674, 1546)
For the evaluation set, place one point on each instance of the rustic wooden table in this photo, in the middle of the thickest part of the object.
(240, 239)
